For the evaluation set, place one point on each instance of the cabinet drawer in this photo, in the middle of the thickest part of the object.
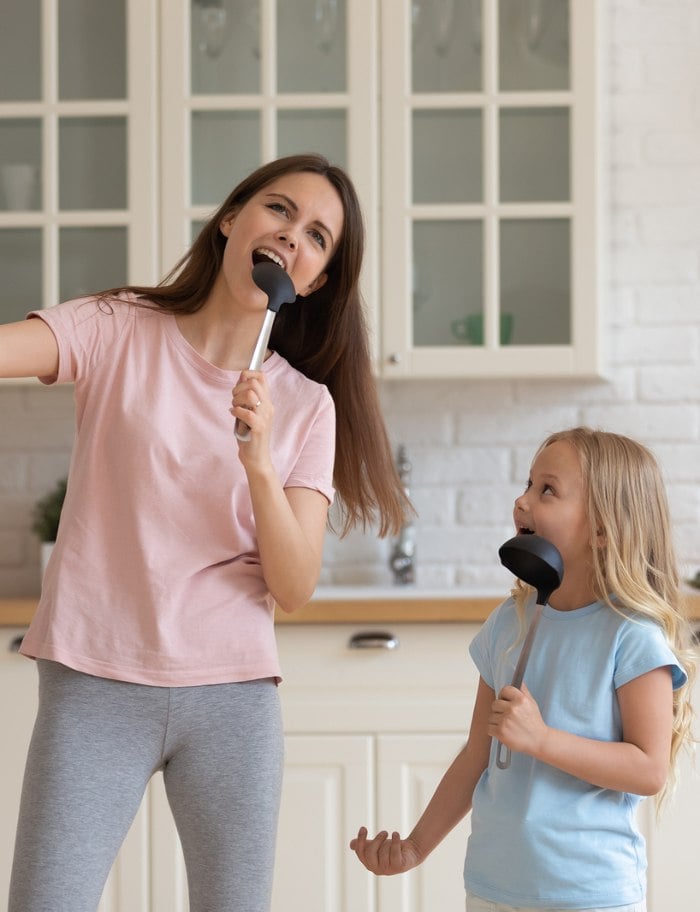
(346, 678)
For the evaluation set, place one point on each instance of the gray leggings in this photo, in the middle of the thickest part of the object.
(96, 744)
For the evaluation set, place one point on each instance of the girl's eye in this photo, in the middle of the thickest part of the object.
(547, 489)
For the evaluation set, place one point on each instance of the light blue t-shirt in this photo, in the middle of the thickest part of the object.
(541, 837)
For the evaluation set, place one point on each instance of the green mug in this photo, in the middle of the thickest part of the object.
(471, 328)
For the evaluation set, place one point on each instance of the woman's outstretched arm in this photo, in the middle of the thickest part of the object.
(28, 349)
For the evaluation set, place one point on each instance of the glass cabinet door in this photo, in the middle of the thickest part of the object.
(248, 81)
(76, 148)
(489, 181)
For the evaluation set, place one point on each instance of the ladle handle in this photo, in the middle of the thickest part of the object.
(241, 429)
(503, 762)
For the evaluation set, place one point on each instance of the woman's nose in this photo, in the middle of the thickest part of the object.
(287, 237)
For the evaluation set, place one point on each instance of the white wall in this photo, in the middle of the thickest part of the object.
(471, 442)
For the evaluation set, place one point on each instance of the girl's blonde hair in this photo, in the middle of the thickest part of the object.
(635, 570)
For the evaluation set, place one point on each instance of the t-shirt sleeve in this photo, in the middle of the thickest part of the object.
(642, 647)
(84, 329)
(314, 465)
(482, 647)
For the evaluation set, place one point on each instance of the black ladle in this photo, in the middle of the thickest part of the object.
(279, 288)
(538, 563)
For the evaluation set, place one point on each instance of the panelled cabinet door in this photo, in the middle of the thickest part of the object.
(489, 188)
(409, 769)
(78, 197)
(326, 797)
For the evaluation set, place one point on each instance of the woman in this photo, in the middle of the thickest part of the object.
(154, 633)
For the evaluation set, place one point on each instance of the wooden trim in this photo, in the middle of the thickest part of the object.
(18, 612)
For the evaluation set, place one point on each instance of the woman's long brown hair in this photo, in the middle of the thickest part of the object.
(323, 335)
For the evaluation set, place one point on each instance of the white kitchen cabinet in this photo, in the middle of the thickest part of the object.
(369, 733)
(408, 705)
(328, 789)
(78, 176)
(490, 201)
(469, 127)
(409, 768)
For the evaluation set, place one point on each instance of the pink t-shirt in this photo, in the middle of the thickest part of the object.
(156, 576)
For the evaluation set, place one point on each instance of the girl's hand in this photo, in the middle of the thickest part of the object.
(383, 855)
(250, 402)
(515, 721)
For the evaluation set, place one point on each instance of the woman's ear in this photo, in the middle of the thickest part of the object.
(226, 223)
(317, 283)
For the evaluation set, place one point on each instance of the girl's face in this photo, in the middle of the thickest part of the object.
(554, 506)
(296, 221)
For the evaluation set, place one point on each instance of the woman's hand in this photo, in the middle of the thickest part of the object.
(515, 721)
(384, 855)
(251, 404)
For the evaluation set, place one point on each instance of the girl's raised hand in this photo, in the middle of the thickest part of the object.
(384, 855)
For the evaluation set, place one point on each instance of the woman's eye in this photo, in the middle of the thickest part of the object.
(277, 207)
(319, 238)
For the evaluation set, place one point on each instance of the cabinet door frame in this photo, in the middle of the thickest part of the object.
(399, 356)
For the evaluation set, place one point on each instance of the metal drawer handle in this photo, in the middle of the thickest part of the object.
(374, 639)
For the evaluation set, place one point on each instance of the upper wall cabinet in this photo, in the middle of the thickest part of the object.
(489, 188)
(469, 127)
(247, 81)
(77, 143)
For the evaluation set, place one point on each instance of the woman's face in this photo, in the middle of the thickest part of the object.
(296, 222)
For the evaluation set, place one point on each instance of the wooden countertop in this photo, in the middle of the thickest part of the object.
(381, 609)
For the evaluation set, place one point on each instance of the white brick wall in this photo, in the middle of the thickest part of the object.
(471, 442)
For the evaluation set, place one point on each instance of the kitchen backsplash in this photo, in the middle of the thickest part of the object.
(470, 443)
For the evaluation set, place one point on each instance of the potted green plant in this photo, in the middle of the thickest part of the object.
(46, 516)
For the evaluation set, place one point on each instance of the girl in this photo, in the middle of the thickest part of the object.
(154, 632)
(603, 709)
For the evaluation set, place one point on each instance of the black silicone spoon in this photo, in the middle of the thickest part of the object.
(279, 288)
(538, 563)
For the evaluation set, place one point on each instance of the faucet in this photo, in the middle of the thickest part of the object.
(402, 560)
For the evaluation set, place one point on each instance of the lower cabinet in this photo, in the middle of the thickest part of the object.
(372, 719)
(334, 785)
(370, 730)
